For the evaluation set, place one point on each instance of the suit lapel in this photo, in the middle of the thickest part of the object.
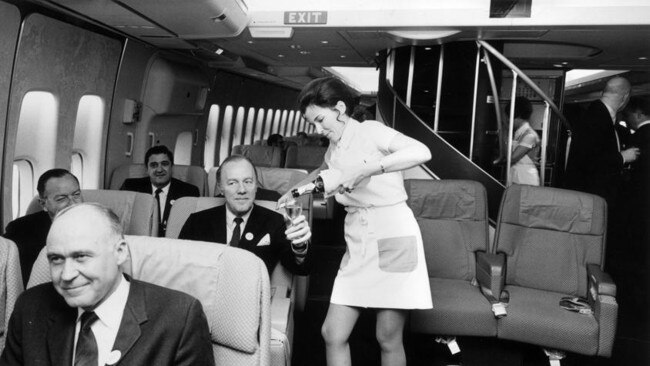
(60, 335)
(134, 315)
(219, 229)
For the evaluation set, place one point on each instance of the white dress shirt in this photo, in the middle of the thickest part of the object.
(105, 329)
(162, 197)
(230, 223)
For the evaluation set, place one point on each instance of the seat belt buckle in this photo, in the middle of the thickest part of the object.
(499, 309)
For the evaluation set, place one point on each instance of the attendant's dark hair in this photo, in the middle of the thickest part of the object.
(326, 92)
(523, 108)
(158, 149)
(52, 173)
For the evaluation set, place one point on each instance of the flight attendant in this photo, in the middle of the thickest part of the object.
(384, 266)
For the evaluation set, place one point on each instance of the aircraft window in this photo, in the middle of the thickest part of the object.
(301, 122)
(284, 128)
(88, 132)
(250, 121)
(290, 124)
(259, 125)
(77, 167)
(36, 138)
(183, 148)
(224, 145)
(239, 126)
(211, 137)
(268, 124)
(276, 121)
(22, 187)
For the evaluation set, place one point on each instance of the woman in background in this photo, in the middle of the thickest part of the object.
(384, 266)
(525, 145)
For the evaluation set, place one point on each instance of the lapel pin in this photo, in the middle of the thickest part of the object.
(171, 203)
(249, 236)
(113, 357)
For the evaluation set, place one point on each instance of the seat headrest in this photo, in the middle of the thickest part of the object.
(459, 200)
(554, 209)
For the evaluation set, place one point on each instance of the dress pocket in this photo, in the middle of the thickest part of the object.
(398, 254)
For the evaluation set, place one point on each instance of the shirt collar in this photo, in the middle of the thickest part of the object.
(230, 218)
(348, 133)
(165, 189)
(110, 311)
(642, 124)
(524, 126)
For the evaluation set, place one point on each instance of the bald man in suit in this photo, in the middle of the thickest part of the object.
(92, 314)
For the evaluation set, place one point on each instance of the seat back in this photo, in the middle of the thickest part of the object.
(138, 212)
(549, 235)
(452, 215)
(11, 284)
(260, 155)
(187, 173)
(232, 285)
(275, 179)
(304, 157)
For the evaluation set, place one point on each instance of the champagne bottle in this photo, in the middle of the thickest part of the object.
(317, 186)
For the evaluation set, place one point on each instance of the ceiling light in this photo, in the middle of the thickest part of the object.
(250, 42)
(271, 32)
(280, 56)
(219, 51)
(423, 35)
(304, 52)
(643, 58)
(427, 48)
(324, 42)
(565, 63)
(342, 56)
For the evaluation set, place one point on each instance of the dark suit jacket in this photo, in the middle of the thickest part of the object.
(29, 233)
(159, 327)
(210, 225)
(177, 189)
(640, 178)
(595, 163)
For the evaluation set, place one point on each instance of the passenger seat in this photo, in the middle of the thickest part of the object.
(11, 284)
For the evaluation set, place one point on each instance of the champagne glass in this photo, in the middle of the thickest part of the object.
(293, 209)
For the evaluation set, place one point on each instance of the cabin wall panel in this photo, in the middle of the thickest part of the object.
(136, 59)
(68, 62)
(9, 28)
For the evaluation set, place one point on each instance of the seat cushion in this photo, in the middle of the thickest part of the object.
(458, 309)
(535, 316)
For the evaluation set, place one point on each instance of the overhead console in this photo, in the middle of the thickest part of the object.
(166, 23)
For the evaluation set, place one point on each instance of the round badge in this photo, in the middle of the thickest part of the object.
(249, 236)
(113, 357)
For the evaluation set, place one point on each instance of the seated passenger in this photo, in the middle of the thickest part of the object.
(243, 224)
(275, 140)
(160, 162)
(92, 314)
(57, 189)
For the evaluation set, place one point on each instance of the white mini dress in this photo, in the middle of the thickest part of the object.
(384, 264)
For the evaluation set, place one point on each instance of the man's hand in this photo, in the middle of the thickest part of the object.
(630, 155)
(299, 233)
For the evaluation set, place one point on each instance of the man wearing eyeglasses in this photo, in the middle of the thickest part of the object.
(159, 183)
(57, 189)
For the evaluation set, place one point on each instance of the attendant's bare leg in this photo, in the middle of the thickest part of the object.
(338, 325)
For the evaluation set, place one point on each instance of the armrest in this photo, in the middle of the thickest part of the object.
(600, 282)
(490, 274)
(281, 309)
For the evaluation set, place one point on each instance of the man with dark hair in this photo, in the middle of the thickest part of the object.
(57, 189)
(242, 223)
(275, 140)
(93, 314)
(159, 182)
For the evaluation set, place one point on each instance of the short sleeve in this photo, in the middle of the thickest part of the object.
(529, 140)
(381, 134)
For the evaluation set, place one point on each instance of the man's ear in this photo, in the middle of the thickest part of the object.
(122, 251)
(41, 201)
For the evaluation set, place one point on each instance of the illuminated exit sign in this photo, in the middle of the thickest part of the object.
(305, 17)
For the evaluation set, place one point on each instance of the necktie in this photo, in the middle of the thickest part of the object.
(160, 213)
(86, 352)
(236, 233)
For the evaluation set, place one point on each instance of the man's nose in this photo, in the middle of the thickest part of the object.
(68, 271)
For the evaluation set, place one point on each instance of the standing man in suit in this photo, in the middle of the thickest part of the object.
(57, 189)
(242, 223)
(595, 160)
(595, 163)
(160, 163)
(92, 314)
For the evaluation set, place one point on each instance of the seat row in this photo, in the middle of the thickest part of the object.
(295, 157)
(548, 246)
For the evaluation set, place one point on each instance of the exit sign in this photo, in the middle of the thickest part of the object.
(305, 17)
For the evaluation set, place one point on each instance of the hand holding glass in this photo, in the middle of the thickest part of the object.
(293, 210)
